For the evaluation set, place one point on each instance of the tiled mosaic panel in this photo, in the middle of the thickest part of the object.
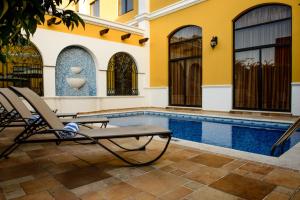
(71, 57)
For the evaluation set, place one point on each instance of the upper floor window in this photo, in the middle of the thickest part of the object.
(95, 8)
(125, 6)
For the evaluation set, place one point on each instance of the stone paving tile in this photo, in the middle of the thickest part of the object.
(157, 182)
(211, 160)
(92, 187)
(208, 193)
(284, 190)
(11, 162)
(277, 196)
(181, 155)
(39, 185)
(16, 181)
(31, 147)
(63, 158)
(17, 192)
(178, 172)
(206, 175)
(176, 193)
(243, 187)
(186, 165)
(193, 185)
(37, 196)
(296, 196)
(76, 178)
(283, 177)
(1, 195)
(234, 165)
(44, 152)
(11, 188)
(115, 192)
(257, 168)
(141, 196)
(18, 171)
(126, 173)
(61, 193)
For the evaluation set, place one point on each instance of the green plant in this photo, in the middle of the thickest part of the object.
(19, 20)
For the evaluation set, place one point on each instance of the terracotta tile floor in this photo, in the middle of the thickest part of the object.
(73, 171)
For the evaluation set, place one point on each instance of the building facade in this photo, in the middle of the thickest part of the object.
(238, 55)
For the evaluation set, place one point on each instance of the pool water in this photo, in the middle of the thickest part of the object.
(244, 135)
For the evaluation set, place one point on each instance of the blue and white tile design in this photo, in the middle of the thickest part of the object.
(71, 57)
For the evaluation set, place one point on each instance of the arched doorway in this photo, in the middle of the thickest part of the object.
(24, 68)
(263, 59)
(122, 75)
(185, 67)
(75, 73)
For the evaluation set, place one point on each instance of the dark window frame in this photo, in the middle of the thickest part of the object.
(92, 4)
(184, 59)
(126, 7)
(259, 48)
(115, 84)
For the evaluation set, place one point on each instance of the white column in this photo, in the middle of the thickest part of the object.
(83, 6)
(144, 7)
(296, 98)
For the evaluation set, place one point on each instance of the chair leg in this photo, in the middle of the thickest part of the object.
(9, 150)
(136, 164)
(140, 148)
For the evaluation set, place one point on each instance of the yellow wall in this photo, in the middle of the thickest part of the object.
(130, 15)
(109, 9)
(157, 4)
(215, 21)
(92, 30)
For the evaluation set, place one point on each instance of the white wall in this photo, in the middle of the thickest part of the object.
(157, 97)
(217, 97)
(51, 43)
(296, 99)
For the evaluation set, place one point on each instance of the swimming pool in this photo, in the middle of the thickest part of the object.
(240, 134)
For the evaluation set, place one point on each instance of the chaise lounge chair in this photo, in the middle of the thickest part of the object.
(57, 132)
(24, 114)
(8, 116)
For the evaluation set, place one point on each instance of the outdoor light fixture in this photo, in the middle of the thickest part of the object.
(104, 31)
(214, 42)
(126, 36)
(144, 40)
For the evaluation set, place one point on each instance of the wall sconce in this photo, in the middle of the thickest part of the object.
(126, 36)
(104, 31)
(214, 42)
(144, 40)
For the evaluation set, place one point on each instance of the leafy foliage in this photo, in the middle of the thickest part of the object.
(19, 20)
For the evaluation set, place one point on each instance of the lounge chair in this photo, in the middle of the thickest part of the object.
(54, 128)
(8, 115)
(26, 114)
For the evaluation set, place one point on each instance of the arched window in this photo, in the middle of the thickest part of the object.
(122, 75)
(24, 68)
(185, 67)
(263, 65)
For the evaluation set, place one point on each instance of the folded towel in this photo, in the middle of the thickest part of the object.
(33, 119)
(72, 129)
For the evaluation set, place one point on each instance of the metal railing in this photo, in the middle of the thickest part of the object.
(280, 142)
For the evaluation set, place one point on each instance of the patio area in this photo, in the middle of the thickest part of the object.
(75, 171)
